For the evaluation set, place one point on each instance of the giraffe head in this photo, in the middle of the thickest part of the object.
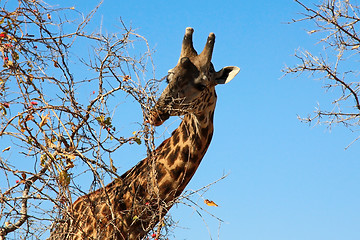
(191, 83)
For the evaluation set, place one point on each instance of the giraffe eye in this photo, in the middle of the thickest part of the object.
(200, 86)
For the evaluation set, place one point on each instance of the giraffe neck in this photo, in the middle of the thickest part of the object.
(124, 208)
(180, 155)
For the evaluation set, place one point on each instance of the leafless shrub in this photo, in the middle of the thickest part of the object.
(58, 109)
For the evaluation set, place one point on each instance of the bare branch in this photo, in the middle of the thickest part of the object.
(337, 25)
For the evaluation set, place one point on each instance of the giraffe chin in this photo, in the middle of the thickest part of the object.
(157, 118)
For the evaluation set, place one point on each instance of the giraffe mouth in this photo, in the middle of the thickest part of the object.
(157, 118)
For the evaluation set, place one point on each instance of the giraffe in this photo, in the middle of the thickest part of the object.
(129, 207)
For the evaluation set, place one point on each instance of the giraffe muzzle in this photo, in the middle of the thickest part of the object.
(157, 118)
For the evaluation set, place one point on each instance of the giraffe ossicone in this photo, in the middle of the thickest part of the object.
(193, 74)
(130, 207)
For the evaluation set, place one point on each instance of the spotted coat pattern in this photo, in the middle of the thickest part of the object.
(129, 207)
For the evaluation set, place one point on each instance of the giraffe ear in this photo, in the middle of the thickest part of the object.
(226, 74)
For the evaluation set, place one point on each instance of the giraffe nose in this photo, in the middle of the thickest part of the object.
(157, 118)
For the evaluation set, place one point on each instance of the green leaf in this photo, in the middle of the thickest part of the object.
(100, 119)
(64, 178)
(16, 56)
(43, 160)
(137, 140)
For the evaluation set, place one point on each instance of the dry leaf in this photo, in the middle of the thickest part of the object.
(10, 63)
(355, 47)
(69, 164)
(44, 120)
(71, 156)
(6, 149)
(64, 178)
(30, 77)
(311, 32)
(210, 203)
(29, 117)
(49, 143)
(56, 64)
(127, 77)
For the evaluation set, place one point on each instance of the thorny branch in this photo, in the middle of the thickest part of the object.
(58, 112)
(336, 22)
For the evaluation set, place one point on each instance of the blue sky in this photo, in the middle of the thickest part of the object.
(287, 180)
